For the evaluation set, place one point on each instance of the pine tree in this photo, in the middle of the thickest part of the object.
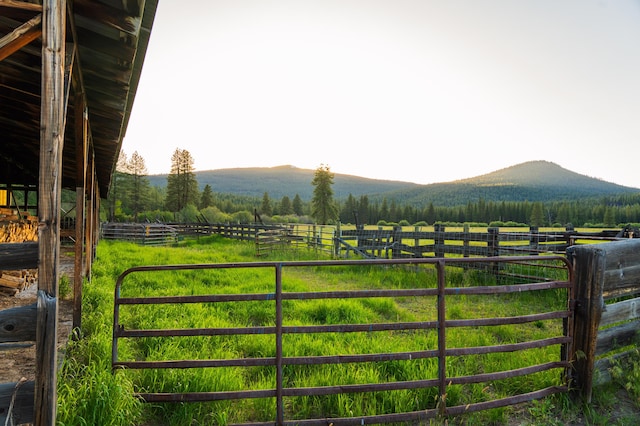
(206, 199)
(323, 208)
(265, 208)
(297, 205)
(140, 186)
(285, 206)
(182, 186)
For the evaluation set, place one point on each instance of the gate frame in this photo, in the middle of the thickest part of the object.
(442, 352)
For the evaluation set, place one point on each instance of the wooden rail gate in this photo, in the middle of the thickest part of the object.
(283, 361)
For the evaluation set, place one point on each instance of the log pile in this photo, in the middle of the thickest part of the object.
(12, 282)
(15, 228)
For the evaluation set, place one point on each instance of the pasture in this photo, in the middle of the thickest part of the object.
(90, 394)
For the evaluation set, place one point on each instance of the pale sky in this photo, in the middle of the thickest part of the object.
(414, 90)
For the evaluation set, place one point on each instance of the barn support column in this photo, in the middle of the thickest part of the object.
(81, 117)
(51, 144)
(90, 214)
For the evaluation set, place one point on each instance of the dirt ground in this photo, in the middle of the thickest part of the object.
(18, 363)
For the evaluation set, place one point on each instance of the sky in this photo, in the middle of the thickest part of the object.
(420, 91)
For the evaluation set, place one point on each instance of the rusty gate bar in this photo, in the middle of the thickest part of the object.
(279, 361)
(279, 377)
(442, 340)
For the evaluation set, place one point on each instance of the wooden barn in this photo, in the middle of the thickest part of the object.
(69, 70)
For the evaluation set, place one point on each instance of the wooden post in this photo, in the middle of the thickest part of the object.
(465, 241)
(88, 232)
(439, 239)
(51, 144)
(534, 239)
(588, 265)
(396, 240)
(81, 173)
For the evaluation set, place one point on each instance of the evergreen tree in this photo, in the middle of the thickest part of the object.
(265, 208)
(297, 205)
(206, 199)
(323, 208)
(349, 211)
(363, 210)
(140, 186)
(117, 191)
(285, 206)
(537, 215)
(182, 186)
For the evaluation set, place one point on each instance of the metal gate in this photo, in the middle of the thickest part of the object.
(442, 352)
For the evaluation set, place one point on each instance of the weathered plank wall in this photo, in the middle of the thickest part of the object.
(607, 312)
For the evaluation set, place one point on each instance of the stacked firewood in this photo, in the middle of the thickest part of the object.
(12, 282)
(15, 228)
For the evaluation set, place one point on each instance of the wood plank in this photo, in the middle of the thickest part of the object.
(18, 324)
(615, 337)
(621, 311)
(18, 255)
(20, 37)
(21, 394)
(21, 5)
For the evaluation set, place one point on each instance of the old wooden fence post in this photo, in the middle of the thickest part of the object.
(439, 239)
(588, 264)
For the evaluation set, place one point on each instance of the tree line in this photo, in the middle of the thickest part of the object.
(132, 198)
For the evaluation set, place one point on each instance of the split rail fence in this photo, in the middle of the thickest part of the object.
(399, 242)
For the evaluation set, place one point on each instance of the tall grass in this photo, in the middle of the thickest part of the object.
(90, 394)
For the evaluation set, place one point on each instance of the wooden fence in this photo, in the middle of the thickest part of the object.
(140, 233)
(402, 242)
(607, 309)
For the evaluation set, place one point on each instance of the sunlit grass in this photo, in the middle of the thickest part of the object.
(89, 359)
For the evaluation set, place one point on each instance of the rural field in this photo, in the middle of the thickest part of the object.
(90, 393)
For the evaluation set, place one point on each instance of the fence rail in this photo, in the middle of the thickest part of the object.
(440, 325)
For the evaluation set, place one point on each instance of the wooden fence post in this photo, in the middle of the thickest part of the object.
(438, 229)
(465, 241)
(588, 265)
(396, 240)
(534, 238)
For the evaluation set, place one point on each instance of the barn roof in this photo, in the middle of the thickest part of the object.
(111, 38)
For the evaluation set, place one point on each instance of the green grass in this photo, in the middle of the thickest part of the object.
(90, 394)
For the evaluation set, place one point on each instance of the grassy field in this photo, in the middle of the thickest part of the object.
(89, 393)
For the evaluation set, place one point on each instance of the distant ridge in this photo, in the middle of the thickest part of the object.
(529, 181)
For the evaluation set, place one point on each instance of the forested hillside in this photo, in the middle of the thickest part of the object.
(532, 181)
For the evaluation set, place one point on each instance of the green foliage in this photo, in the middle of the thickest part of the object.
(90, 394)
(323, 208)
(182, 185)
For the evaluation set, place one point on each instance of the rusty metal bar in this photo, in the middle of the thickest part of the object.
(279, 375)
(442, 340)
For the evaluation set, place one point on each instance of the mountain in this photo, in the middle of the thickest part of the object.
(530, 181)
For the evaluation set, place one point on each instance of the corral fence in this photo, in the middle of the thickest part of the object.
(394, 242)
(286, 360)
(607, 309)
(140, 233)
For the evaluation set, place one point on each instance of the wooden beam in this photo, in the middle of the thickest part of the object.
(21, 5)
(49, 189)
(20, 37)
(19, 397)
(18, 255)
(81, 116)
(18, 324)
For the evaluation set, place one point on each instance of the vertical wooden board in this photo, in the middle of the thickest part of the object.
(49, 188)
(588, 263)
